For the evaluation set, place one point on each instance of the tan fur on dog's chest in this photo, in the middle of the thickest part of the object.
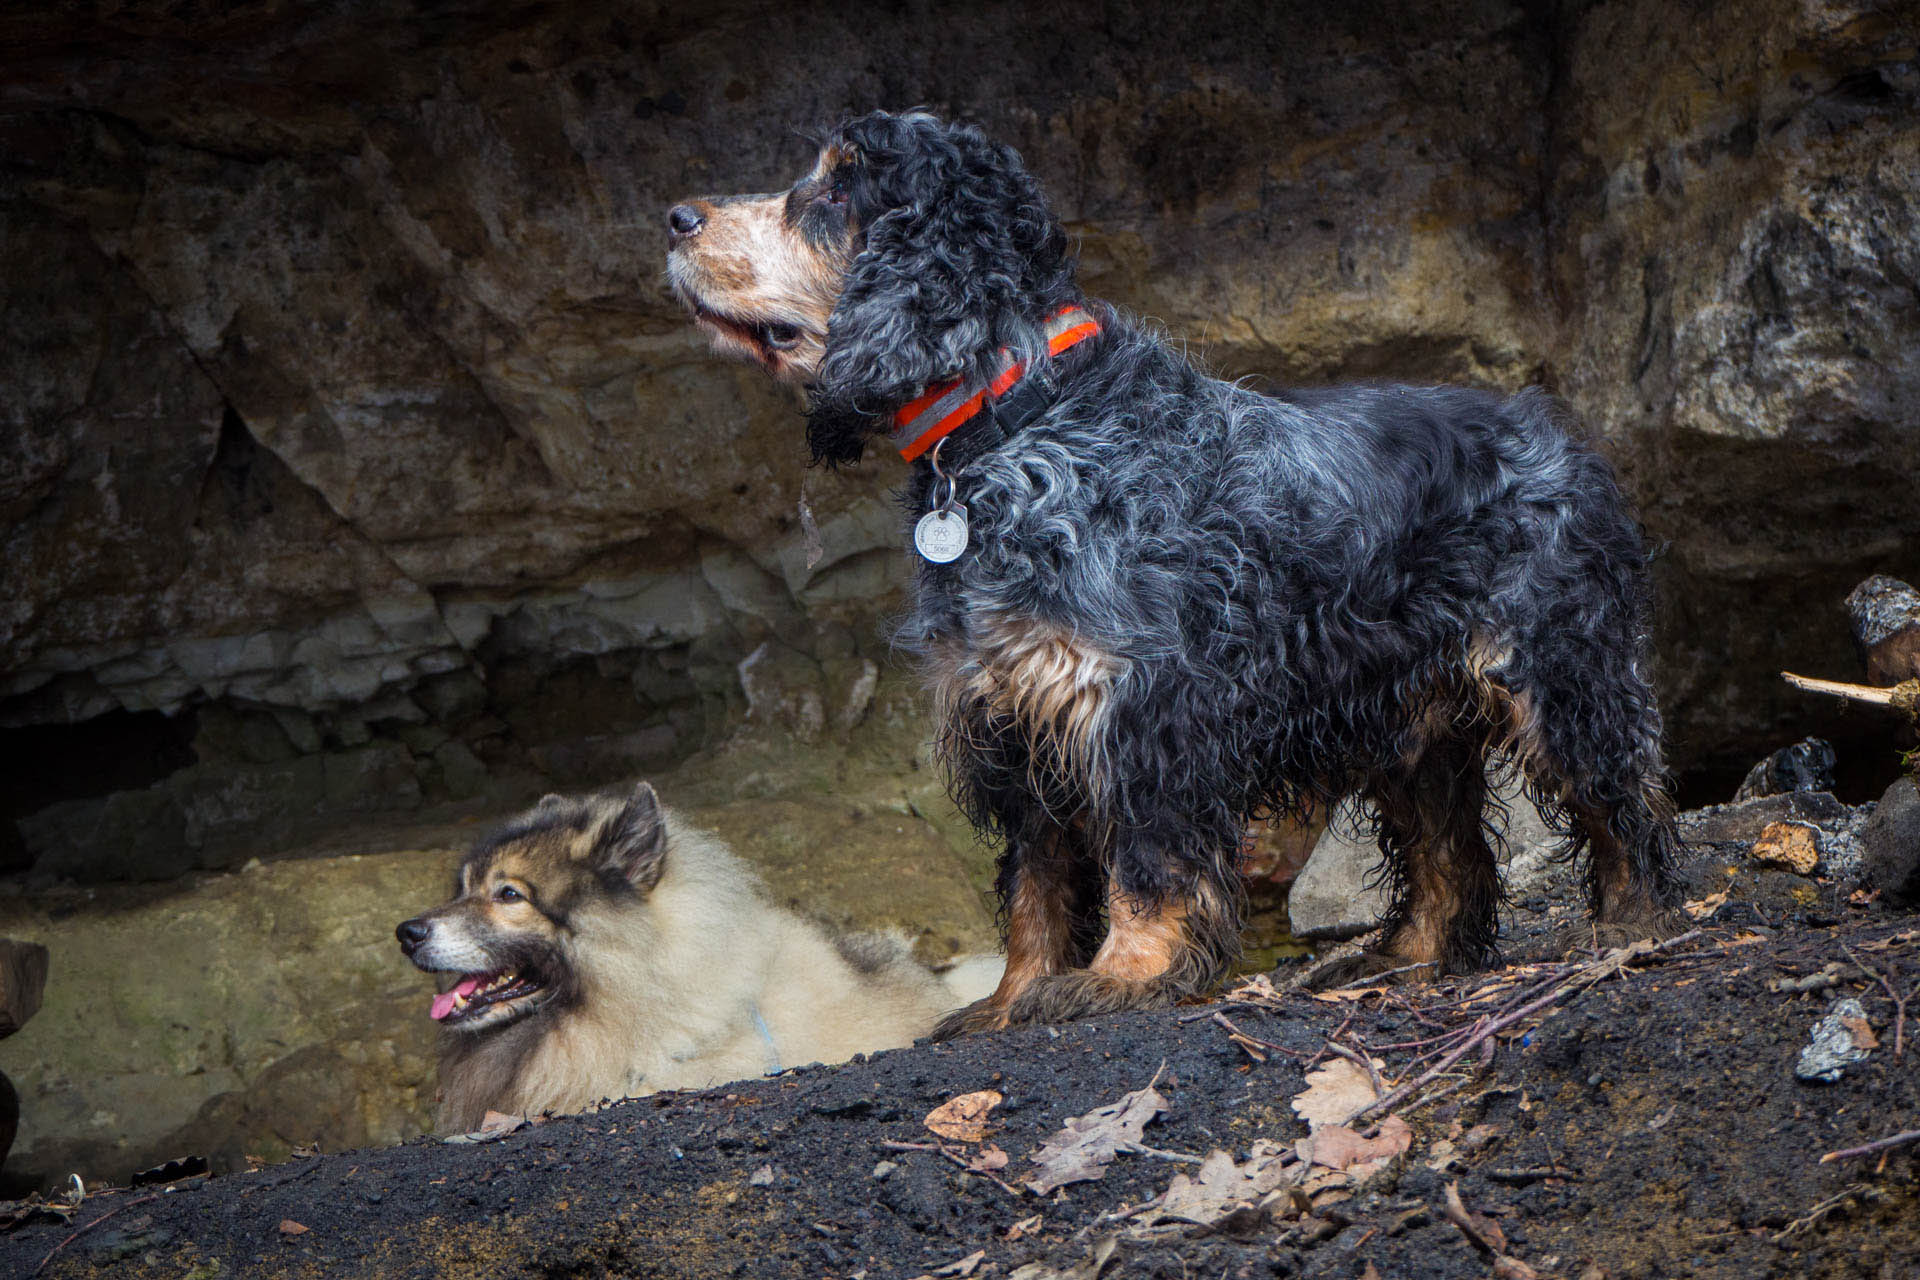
(1056, 684)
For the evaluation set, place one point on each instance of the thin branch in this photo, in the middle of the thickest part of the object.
(1873, 1148)
(1840, 689)
(1585, 976)
(1899, 1001)
(83, 1230)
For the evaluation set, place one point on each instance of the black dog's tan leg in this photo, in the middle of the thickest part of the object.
(1154, 954)
(1045, 930)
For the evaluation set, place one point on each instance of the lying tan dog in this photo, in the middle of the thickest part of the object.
(603, 950)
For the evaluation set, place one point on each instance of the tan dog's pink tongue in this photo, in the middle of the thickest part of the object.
(443, 1003)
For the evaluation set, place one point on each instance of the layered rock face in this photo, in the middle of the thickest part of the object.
(353, 448)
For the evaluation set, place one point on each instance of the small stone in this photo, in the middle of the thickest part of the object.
(762, 1177)
(883, 1170)
(1792, 845)
(1807, 765)
(1840, 1039)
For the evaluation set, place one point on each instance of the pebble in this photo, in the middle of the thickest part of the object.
(1832, 1049)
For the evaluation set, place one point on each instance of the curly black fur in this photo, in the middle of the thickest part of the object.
(962, 259)
(1312, 593)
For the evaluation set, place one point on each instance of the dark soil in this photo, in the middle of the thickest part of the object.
(1649, 1126)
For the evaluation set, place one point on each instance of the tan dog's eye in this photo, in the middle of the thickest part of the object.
(781, 336)
(507, 893)
(835, 194)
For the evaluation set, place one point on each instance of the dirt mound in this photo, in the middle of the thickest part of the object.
(1642, 1119)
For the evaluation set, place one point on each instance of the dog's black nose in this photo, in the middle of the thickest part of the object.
(684, 220)
(411, 934)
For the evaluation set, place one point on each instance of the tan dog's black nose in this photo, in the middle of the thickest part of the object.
(683, 220)
(411, 934)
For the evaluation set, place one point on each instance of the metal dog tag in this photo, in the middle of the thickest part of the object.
(941, 536)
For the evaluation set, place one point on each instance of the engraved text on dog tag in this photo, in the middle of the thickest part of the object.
(941, 536)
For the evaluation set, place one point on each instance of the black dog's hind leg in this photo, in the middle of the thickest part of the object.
(1589, 740)
(1433, 827)
(1439, 862)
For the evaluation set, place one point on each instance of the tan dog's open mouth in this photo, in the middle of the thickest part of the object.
(485, 997)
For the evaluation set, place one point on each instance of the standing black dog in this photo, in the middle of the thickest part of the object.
(1157, 605)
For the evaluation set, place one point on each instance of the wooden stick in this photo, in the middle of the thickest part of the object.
(1840, 689)
(91, 1225)
(1899, 1001)
(1873, 1148)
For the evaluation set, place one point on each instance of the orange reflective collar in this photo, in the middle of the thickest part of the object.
(947, 406)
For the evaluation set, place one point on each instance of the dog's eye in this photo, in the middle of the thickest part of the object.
(835, 194)
(507, 893)
(780, 335)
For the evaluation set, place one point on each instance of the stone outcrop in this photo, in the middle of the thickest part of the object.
(1733, 236)
(338, 363)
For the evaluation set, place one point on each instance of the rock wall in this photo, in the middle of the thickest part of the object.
(344, 403)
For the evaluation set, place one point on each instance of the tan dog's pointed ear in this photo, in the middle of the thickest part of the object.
(633, 844)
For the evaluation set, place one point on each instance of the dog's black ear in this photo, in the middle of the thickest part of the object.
(633, 843)
(962, 258)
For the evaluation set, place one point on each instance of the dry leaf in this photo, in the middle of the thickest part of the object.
(288, 1227)
(1087, 1269)
(1082, 1150)
(1862, 1032)
(1220, 1186)
(964, 1267)
(1338, 1147)
(990, 1159)
(1021, 1227)
(963, 1119)
(1345, 994)
(1253, 990)
(1335, 1092)
(1507, 1267)
(1701, 908)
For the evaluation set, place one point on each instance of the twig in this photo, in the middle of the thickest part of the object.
(1364, 1063)
(312, 1167)
(1840, 689)
(1250, 1043)
(1451, 1087)
(1899, 1001)
(1141, 1149)
(1821, 1210)
(1593, 971)
(1873, 1148)
(83, 1230)
(1538, 1173)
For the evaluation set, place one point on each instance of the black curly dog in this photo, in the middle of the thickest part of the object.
(1183, 604)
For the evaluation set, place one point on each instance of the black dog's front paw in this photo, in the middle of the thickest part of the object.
(1068, 997)
(981, 1015)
